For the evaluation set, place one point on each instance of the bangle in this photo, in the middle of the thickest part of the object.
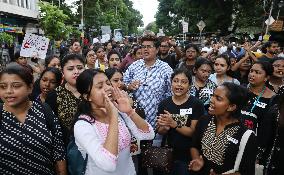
(131, 112)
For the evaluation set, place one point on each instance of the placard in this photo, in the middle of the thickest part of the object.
(34, 45)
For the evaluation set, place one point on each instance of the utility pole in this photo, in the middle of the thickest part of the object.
(82, 15)
(270, 12)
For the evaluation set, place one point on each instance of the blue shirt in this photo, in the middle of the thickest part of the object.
(155, 85)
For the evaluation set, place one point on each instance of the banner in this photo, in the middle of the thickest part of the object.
(34, 46)
(105, 38)
(105, 30)
(117, 35)
(184, 27)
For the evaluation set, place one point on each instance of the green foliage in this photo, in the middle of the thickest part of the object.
(217, 14)
(6, 38)
(115, 13)
(152, 27)
(53, 21)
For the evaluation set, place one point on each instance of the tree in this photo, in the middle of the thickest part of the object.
(53, 22)
(226, 16)
(6, 38)
(152, 27)
(113, 13)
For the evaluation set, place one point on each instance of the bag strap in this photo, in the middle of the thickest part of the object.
(242, 146)
(86, 159)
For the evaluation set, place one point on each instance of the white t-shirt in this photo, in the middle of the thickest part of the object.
(213, 78)
(90, 139)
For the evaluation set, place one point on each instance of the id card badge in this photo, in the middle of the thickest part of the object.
(185, 111)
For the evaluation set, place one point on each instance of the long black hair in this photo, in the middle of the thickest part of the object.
(84, 86)
(237, 95)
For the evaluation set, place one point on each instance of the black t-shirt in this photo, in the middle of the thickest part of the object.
(219, 152)
(192, 109)
(257, 118)
(171, 60)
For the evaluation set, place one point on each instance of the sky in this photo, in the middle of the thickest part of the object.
(147, 8)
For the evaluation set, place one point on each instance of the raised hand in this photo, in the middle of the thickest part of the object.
(123, 103)
(196, 164)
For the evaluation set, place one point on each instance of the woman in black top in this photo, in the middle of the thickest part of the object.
(65, 98)
(276, 155)
(191, 54)
(202, 87)
(217, 137)
(260, 99)
(49, 79)
(178, 116)
(241, 69)
(30, 137)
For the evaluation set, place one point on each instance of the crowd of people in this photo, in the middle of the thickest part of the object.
(219, 106)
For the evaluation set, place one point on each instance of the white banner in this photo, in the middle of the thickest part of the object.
(105, 30)
(184, 27)
(105, 38)
(34, 46)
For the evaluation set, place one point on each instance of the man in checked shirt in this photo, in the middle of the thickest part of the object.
(149, 78)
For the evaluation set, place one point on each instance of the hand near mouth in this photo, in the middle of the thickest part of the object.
(111, 110)
(121, 101)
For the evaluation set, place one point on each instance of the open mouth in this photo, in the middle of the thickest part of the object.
(179, 90)
(211, 107)
(251, 79)
(45, 90)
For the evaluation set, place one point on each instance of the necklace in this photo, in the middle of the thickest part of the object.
(258, 97)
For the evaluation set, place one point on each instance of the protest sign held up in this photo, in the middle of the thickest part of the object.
(34, 45)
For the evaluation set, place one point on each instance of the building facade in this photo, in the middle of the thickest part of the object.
(19, 16)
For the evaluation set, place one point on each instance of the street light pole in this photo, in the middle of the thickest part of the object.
(82, 16)
(270, 12)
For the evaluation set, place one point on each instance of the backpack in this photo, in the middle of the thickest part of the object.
(76, 163)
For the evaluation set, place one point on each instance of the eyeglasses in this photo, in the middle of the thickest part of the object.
(147, 46)
(164, 46)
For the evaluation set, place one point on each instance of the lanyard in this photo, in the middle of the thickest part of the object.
(258, 97)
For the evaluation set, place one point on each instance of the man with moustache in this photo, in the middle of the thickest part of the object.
(149, 78)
